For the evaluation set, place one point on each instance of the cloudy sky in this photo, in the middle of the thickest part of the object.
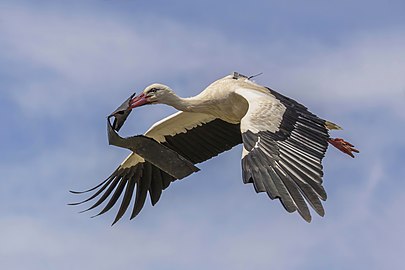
(65, 65)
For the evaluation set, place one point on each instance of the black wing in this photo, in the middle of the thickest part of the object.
(283, 149)
(200, 138)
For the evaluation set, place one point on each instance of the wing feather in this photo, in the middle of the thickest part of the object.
(111, 187)
(197, 137)
(141, 191)
(288, 143)
(118, 190)
(156, 186)
(130, 187)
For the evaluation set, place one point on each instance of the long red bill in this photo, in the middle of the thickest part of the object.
(138, 101)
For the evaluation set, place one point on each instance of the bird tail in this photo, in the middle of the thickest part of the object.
(329, 125)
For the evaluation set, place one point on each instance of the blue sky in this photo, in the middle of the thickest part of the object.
(65, 65)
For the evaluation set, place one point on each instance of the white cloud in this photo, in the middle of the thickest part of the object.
(211, 220)
(90, 58)
(214, 239)
(364, 71)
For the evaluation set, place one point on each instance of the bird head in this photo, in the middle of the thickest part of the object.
(154, 93)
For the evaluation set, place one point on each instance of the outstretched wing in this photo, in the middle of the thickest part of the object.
(195, 136)
(283, 149)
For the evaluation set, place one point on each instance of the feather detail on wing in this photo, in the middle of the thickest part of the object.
(283, 149)
(195, 136)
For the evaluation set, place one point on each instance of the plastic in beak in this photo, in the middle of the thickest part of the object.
(121, 113)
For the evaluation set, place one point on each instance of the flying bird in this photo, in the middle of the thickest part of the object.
(283, 145)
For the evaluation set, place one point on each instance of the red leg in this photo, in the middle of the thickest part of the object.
(343, 146)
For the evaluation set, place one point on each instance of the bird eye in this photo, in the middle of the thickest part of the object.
(153, 90)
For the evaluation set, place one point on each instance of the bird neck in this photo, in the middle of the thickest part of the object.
(191, 104)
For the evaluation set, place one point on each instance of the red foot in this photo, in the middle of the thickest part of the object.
(343, 146)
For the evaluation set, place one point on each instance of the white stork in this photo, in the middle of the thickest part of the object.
(283, 144)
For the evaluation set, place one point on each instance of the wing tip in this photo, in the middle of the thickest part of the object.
(307, 219)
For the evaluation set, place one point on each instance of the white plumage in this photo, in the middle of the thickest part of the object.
(283, 144)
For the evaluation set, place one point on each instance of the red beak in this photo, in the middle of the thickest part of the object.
(138, 101)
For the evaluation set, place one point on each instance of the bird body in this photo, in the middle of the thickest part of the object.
(283, 144)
